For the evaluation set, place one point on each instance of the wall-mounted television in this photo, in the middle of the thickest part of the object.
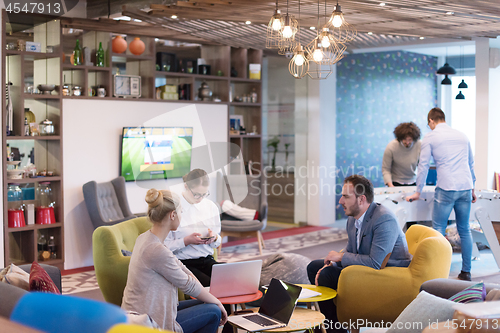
(155, 152)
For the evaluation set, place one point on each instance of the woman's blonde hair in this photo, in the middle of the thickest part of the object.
(196, 178)
(160, 204)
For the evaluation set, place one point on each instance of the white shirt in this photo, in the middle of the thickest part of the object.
(195, 218)
(358, 224)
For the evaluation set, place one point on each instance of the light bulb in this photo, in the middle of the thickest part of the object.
(317, 55)
(325, 42)
(287, 32)
(337, 21)
(276, 24)
(299, 59)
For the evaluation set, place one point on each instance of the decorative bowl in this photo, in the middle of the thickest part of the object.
(46, 88)
(13, 162)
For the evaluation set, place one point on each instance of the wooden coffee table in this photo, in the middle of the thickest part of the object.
(302, 319)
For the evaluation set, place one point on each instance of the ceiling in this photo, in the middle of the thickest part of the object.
(396, 23)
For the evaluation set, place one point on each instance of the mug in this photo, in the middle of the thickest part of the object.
(101, 92)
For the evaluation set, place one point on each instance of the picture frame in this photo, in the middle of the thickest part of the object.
(236, 122)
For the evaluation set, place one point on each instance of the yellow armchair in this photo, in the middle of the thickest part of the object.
(129, 328)
(374, 295)
(111, 266)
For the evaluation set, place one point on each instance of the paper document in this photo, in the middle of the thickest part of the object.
(308, 293)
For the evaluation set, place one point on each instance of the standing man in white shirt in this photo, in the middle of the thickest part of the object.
(455, 180)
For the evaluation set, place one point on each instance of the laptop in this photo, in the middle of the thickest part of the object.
(235, 279)
(276, 309)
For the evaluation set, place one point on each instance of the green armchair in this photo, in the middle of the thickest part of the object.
(111, 266)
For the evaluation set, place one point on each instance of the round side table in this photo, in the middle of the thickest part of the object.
(326, 294)
(241, 300)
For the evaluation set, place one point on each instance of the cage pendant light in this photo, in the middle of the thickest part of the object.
(299, 64)
(332, 49)
(341, 30)
(287, 34)
(320, 66)
(273, 29)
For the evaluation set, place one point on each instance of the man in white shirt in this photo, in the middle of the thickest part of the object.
(455, 180)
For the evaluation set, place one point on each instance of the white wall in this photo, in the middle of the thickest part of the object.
(91, 151)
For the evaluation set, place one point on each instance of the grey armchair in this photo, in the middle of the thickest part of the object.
(247, 191)
(107, 202)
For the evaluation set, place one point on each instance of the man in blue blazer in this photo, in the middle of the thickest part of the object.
(374, 240)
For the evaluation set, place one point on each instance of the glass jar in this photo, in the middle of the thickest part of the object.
(15, 206)
(77, 91)
(44, 204)
(46, 127)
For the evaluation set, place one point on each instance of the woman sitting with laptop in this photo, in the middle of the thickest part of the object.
(155, 274)
(194, 241)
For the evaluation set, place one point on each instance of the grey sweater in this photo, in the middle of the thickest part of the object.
(399, 163)
(154, 275)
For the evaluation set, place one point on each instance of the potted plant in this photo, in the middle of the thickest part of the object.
(273, 143)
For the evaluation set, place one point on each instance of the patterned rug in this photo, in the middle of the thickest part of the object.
(86, 281)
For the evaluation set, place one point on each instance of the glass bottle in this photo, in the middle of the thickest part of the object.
(52, 247)
(26, 127)
(99, 57)
(77, 54)
(42, 244)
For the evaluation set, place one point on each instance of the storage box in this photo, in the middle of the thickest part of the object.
(169, 88)
(169, 96)
(33, 47)
(254, 71)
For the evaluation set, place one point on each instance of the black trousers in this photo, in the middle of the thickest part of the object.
(201, 268)
(329, 277)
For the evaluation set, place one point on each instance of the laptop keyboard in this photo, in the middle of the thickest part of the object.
(259, 320)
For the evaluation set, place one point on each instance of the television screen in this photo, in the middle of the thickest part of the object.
(156, 152)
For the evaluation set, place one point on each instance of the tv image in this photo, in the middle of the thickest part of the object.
(155, 152)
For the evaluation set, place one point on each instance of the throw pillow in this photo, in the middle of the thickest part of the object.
(41, 281)
(475, 293)
(424, 310)
(15, 276)
(126, 253)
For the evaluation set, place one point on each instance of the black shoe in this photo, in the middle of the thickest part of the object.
(464, 276)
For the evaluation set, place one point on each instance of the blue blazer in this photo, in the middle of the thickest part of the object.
(380, 235)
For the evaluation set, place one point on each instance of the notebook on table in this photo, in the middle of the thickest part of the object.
(276, 309)
(235, 279)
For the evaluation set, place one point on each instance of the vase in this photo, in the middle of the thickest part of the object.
(119, 45)
(137, 46)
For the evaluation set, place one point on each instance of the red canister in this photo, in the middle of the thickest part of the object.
(16, 218)
(45, 215)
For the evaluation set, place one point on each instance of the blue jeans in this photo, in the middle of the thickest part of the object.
(461, 201)
(197, 317)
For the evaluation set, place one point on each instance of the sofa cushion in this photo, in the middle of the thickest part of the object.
(493, 295)
(425, 309)
(474, 293)
(41, 281)
(15, 276)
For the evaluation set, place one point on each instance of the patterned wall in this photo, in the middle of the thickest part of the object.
(376, 92)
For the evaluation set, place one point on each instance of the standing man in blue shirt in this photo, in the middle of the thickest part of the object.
(455, 180)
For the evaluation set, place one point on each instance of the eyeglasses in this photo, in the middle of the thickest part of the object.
(199, 195)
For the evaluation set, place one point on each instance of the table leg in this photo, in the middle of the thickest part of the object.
(232, 307)
(316, 307)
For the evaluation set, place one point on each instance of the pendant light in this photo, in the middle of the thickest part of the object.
(446, 70)
(287, 33)
(273, 29)
(332, 49)
(341, 30)
(446, 80)
(320, 66)
(462, 84)
(299, 64)
(460, 95)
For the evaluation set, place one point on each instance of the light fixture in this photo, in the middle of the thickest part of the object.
(173, 16)
(342, 31)
(287, 34)
(274, 27)
(382, 4)
(422, 37)
(462, 84)
(450, 13)
(370, 33)
(460, 95)
(446, 80)
(446, 70)
(248, 22)
(312, 28)
(299, 64)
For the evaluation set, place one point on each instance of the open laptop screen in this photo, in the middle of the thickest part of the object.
(280, 300)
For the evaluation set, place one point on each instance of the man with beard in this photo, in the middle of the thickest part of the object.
(373, 234)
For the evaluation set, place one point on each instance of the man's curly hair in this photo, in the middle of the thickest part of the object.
(404, 130)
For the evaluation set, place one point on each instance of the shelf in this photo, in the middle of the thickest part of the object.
(132, 57)
(34, 55)
(38, 137)
(241, 80)
(195, 76)
(256, 105)
(40, 96)
(35, 227)
(33, 180)
(52, 262)
(89, 68)
(246, 136)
